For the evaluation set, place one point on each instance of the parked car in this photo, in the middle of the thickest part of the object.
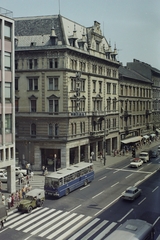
(33, 199)
(136, 162)
(3, 177)
(19, 170)
(2, 170)
(131, 193)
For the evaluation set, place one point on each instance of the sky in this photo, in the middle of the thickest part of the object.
(133, 25)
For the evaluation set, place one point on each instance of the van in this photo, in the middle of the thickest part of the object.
(144, 156)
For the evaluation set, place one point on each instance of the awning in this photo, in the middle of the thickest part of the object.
(146, 136)
(153, 135)
(132, 140)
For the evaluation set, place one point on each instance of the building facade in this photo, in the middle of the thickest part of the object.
(135, 96)
(7, 97)
(66, 92)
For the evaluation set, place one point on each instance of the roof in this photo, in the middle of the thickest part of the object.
(128, 73)
(69, 170)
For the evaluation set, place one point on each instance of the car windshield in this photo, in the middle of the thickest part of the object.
(129, 191)
(135, 160)
(29, 197)
(143, 154)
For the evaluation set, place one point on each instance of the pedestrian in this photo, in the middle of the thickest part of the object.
(12, 200)
(2, 224)
(29, 188)
(20, 194)
(3, 199)
(27, 179)
(17, 196)
(32, 174)
(46, 171)
(43, 170)
(23, 192)
(9, 199)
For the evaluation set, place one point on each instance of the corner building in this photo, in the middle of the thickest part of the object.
(7, 99)
(66, 88)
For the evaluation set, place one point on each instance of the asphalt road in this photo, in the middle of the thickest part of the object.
(93, 211)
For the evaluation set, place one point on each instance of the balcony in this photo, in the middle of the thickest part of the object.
(97, 134)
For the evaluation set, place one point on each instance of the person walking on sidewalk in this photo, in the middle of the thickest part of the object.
(3, 199)
(9, 199)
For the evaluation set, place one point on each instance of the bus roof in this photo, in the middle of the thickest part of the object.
(69, 170)
(132, 229)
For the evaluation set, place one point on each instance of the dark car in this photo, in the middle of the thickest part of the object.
(154, 154)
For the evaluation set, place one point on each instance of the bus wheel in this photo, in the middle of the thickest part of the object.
(67, 192)
(85, 183)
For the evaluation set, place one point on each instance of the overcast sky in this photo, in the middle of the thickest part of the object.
(134, 25)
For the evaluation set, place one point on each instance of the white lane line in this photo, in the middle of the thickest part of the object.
(73, 229)
(97, 194)
(34, 220)
(75, 208)
(63, 227)
(84, 187)
(105, 231)
(125, 215)
(49, 223)
(155, 189)
(96, 229)
(114, 184)
(116, 171)
(156, 221)
(102, 178)
(142, 201)
(107, 206)
(57, 225)
(75, 236)
(41, 222)
(129, 175)
(127, 170)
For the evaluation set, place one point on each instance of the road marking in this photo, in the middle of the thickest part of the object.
(127, 170)
(98, 194)
(129, 175)
(125, 215)
(156, 221)
(142, 201)
(116, 171)
(84, 187)
(155, 189)
(107, 206)
(76, 208)
(102, 178)
(105, 231)
(115, 184)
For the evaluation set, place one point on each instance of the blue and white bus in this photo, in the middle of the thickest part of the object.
(68, 179)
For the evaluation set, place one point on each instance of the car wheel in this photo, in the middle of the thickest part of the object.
(29, 209)
(67, 192)
(85, 183)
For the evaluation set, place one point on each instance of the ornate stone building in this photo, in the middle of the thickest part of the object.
(66, 92)
(135, 96)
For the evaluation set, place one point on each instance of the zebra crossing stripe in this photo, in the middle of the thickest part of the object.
(47, 224)
(72, 229)
(91, 233)
(58, 224)
(105, 231)
(25, 219)
(75, 236)
(64, 227)
(33, 220)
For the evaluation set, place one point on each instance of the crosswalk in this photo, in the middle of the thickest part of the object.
(60, 225)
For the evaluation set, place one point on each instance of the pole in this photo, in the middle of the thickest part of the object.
(104, 141)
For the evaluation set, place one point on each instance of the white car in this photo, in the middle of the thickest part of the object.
(3, 178)
(19, 170)
(136, 162)
(131, 193)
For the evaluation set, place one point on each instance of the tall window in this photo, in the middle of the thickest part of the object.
(33, 84)
(16, 105)
(114, 88)
(108, 88)
(33, 129)
(8, 123)
(53, 83)
(56, 129)
(94, 86)
(100, 87)
(50, 129)
(0, 124)
(16, 84)
(53, 63)
(7, 92)
(33, 105)
(7, 30)
(53, 106)
(7, 61)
